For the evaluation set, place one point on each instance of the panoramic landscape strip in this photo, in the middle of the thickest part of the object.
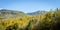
(40, 20)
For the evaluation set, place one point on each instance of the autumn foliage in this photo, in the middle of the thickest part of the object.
(48, 21)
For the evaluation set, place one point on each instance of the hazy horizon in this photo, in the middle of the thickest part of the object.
(29, 6)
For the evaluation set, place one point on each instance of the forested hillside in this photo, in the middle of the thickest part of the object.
(15, 20)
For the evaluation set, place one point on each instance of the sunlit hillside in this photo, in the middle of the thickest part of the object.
(17, 20)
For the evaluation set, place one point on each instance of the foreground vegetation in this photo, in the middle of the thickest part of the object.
(48, 21)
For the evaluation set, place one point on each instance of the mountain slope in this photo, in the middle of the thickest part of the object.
(4, 13)
(37, 13)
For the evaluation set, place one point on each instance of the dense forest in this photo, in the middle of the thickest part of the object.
(20, 21)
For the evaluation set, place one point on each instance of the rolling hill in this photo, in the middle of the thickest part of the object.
(4, 14)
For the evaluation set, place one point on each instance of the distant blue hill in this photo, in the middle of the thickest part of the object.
(37, 13)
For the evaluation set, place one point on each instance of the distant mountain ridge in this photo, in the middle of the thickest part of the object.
(37, 13)
(5, 13)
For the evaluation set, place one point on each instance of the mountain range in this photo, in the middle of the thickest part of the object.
(5, 13)
(37, 13)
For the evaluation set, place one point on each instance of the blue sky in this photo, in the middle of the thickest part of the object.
(29, 5)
